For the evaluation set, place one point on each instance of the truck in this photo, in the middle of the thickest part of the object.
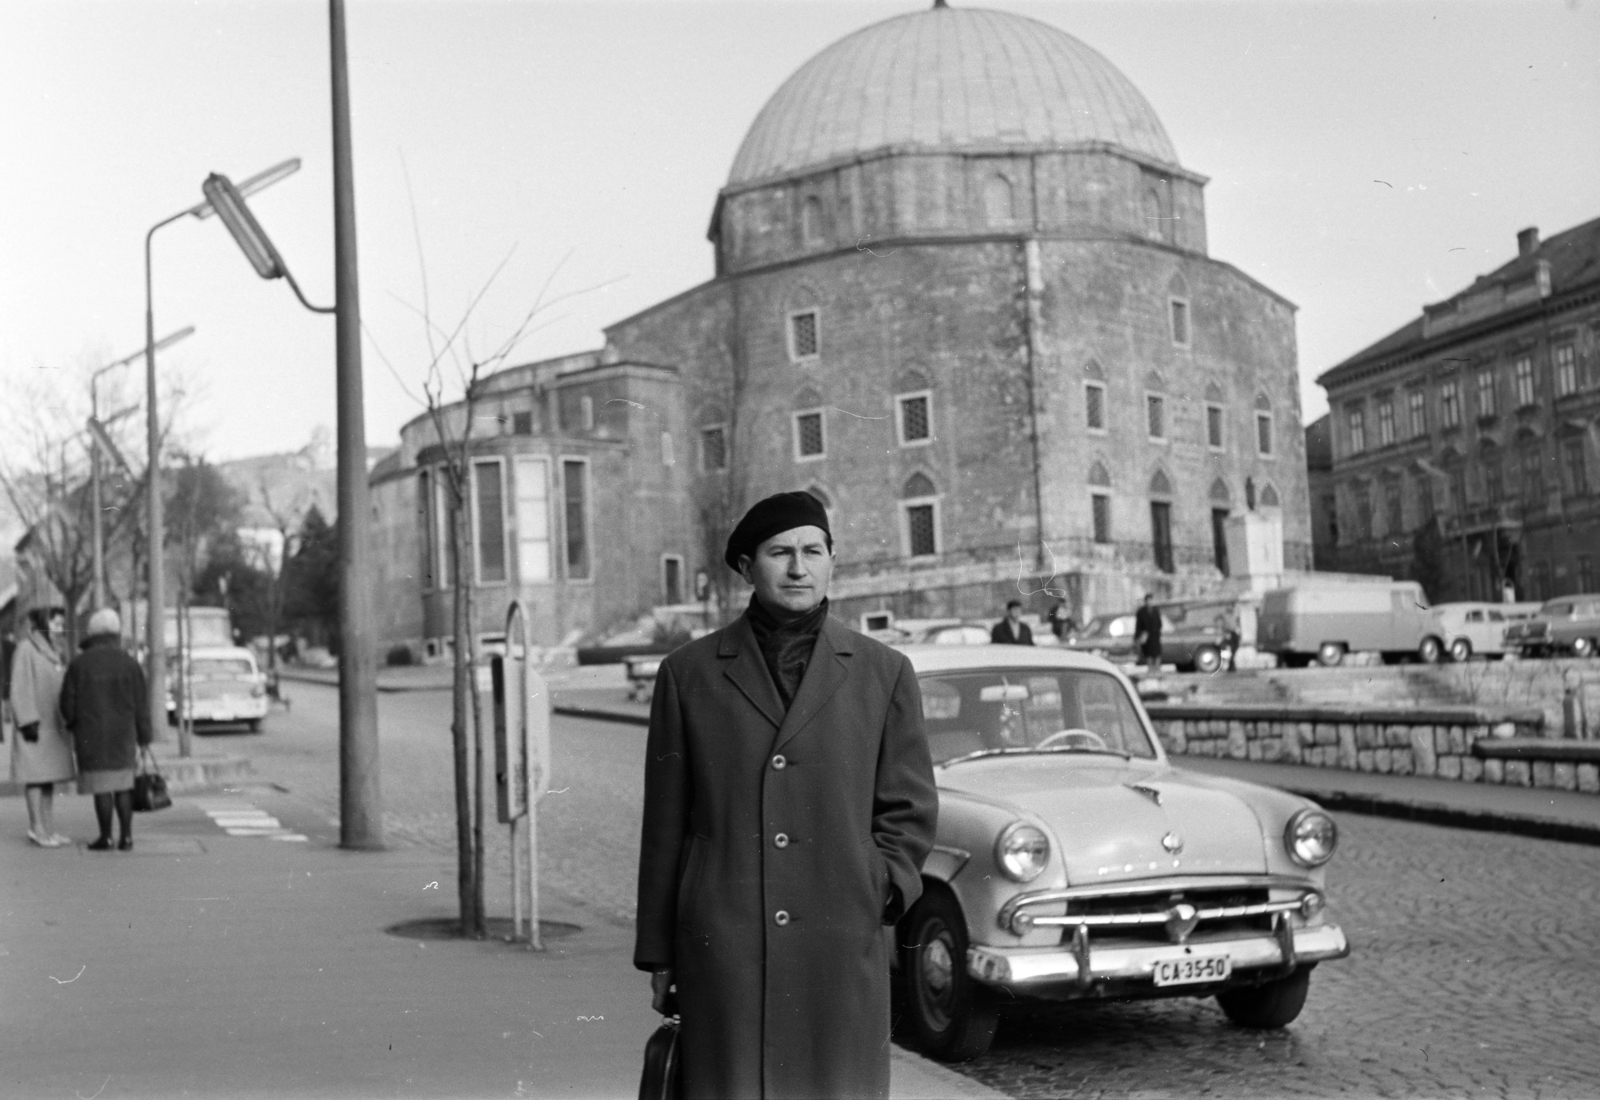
(1326, 622)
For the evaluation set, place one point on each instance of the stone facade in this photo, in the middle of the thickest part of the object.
(1465, 446)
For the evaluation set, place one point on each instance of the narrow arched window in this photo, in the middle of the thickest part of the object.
(811, 220)
(919, 516)
(998, 208)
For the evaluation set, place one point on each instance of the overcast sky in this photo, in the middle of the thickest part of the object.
(1364, 158)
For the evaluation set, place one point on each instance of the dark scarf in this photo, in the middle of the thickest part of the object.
(786, 646)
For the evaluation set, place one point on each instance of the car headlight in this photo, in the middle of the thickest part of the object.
(1022, 851)
(1310, 838)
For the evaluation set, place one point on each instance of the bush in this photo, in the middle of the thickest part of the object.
(398, 655)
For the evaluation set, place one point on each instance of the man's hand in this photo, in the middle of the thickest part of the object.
(30, 733)
(664, 998)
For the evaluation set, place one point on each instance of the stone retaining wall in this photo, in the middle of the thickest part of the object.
(1457, 743)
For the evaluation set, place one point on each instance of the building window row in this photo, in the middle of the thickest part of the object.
(490, 521)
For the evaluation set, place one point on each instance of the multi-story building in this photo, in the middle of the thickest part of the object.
(1464, 444)
(963, 294)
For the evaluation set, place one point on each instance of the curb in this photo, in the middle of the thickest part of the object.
(603, 714)
(183, 774)
(1432, 813)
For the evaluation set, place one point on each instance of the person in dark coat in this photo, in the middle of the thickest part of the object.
(104, 705)
(789, 804)
(1147, 632)
(1011, 630)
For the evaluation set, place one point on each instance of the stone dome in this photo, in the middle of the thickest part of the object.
(948, 79)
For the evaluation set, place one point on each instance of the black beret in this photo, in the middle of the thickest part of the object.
(778, 513)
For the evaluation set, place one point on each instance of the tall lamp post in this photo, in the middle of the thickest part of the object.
(360, 803)
(155, 618)
(98, 441)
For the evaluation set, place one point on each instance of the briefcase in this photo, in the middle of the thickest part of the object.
(660, 1078)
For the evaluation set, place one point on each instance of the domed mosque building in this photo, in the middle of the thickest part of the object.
(962, 294)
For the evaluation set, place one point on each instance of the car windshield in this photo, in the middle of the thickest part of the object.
(220, 668)
(1020, 709)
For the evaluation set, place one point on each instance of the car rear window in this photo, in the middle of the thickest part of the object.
(970, 711)
(220, 668)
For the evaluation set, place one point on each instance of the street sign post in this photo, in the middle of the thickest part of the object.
(521, 764)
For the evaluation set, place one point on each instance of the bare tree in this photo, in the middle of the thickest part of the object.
(453, 365)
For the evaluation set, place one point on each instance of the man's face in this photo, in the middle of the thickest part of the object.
(1014, 613)
(791, 570)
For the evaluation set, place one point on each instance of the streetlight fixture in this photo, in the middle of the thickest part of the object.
(155, 624)
(98, 441)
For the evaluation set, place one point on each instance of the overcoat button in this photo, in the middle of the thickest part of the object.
(781, 918)
(781, 840)
(779, 763)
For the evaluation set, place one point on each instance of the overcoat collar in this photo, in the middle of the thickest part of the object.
(827, 670)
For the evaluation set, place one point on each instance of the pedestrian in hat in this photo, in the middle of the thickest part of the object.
(789, 805)
(41, 753)
(105, 706)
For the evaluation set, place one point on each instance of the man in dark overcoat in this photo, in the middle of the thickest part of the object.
(789, 805)
(1011, 630)
(1147, 632)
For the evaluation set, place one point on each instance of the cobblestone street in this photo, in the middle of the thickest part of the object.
(1467, 977)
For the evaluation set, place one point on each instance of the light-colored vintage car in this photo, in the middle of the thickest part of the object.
(224, 685)
(1567, 625)
(1073, 861)
(1476, 628)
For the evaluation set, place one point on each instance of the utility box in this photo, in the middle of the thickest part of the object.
(521, 737)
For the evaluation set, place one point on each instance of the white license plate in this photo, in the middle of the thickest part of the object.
(1193, 968)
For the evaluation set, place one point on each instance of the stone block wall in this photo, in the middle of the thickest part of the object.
(1461, 744)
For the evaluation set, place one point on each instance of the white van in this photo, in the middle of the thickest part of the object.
(1327, 621)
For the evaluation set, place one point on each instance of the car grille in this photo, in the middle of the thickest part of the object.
(1107, 914)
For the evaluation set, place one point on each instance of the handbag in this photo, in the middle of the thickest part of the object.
(660, 1078)
(150, 786)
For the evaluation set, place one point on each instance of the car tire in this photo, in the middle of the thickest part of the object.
(1461, 650)
(1271, 1005)
(1330, 654)
(1429, 651)
(1207, 659)
(952, 1017)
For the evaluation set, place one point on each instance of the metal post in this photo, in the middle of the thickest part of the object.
(99, 598)
(526, 784)
(360, 802)
(155, 617)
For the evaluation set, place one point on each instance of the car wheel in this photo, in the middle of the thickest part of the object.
(1583, 647)
(1330, 654)
(1207, 659)
(1429, 651)
(952, 1016)
(1273, 1004)
(1461, 650)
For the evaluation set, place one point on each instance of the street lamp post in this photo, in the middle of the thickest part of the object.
(96, 428)
(155, 624)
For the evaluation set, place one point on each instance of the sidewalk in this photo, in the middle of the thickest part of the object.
(1548, 814)
(205, 964)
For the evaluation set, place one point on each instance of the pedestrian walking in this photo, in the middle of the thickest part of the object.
(789, 804)
(41, 752)
(105, 706)
(1147, 632)
(1011, 630)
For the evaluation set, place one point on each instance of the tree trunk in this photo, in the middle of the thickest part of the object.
(467, 888)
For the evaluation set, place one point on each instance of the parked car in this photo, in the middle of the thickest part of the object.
(1191, 646)
(1073, 861)
(224, 685)
(933, 632)
(1479, 628)
(1328, 620)
(1564, 625)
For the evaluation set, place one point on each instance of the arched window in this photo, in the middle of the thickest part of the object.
(1093, 369)
(919, 516)
(908, 380)
(1214, 393)
(1269, 496)
(1154, 225)
(1160, 484)
(997, 200)
(1098, 475)
(1220, 493)
(811, 220)
(807, 398)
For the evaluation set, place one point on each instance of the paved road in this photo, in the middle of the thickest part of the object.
(1471, 974)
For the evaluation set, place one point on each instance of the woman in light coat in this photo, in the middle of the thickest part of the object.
(41, 752)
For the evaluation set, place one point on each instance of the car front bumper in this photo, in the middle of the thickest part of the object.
(1083, 965)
